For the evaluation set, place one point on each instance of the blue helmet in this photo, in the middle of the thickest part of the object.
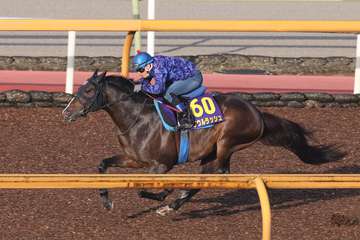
(142, 59)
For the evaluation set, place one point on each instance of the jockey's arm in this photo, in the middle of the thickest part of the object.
(155, 85)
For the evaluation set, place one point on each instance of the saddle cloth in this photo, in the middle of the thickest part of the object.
(206, 112)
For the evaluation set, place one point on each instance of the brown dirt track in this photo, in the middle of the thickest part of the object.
(35, 140)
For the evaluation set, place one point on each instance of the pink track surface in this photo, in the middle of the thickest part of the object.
(55, 81)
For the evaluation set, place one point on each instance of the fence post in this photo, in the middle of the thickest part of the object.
(151, 34)
(69, 86)
(357, 66)
(265, 208)
(136, 15)
(126, 54)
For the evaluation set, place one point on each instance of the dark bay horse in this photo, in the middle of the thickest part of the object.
(144, 143)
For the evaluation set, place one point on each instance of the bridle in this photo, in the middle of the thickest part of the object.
(97, 100)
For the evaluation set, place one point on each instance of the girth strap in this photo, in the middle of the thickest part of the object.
(184, 147)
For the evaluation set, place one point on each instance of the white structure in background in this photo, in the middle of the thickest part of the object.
(69, 86)
(151, 51)
(357, 67)
(70, 66)
(136, 15)
(151, 35)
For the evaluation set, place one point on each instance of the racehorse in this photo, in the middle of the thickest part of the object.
(144, 143)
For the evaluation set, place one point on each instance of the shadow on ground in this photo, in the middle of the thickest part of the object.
(235, 202)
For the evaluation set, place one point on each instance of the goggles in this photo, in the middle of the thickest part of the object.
(141, 70)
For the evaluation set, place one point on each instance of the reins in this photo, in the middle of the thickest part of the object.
(153, 98)
(143, 106)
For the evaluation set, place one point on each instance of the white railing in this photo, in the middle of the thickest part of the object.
(132, 26)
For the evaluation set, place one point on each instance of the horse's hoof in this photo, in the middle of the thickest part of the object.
(142, 194)
(164, 210)
(108, 205)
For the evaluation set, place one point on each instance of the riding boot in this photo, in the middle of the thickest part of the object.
(184, 117)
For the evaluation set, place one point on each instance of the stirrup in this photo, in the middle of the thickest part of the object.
(184, 126)
(184, 121)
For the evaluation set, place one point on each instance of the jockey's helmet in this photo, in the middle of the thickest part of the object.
(142, 59)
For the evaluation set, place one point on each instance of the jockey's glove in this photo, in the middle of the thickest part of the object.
(137, 88)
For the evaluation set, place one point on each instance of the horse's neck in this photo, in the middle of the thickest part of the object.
(125, 113)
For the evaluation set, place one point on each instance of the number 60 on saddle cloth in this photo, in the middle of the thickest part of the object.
(204, 109)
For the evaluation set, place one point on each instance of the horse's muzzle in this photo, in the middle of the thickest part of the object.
(68, 116)
(72, 116)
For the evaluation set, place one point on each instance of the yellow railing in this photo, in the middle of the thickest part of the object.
(177, 25)
(182, 181)
(132, 26)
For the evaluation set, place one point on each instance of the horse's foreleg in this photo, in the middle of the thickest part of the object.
(104, 193)
(114, 161)
(161, 196)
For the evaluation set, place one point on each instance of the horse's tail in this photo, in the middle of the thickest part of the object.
(290, 135)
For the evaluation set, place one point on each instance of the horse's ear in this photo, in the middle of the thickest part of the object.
(95, 73)
(103, 75)
(100, 77)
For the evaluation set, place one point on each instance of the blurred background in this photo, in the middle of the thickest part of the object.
(110, 44)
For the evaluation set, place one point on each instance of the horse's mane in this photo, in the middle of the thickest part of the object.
(126, 86)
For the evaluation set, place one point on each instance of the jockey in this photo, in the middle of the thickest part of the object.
(170, 77)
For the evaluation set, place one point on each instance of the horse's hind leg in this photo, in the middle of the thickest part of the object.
(161, 196)
(216, 162)
(211, 166)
